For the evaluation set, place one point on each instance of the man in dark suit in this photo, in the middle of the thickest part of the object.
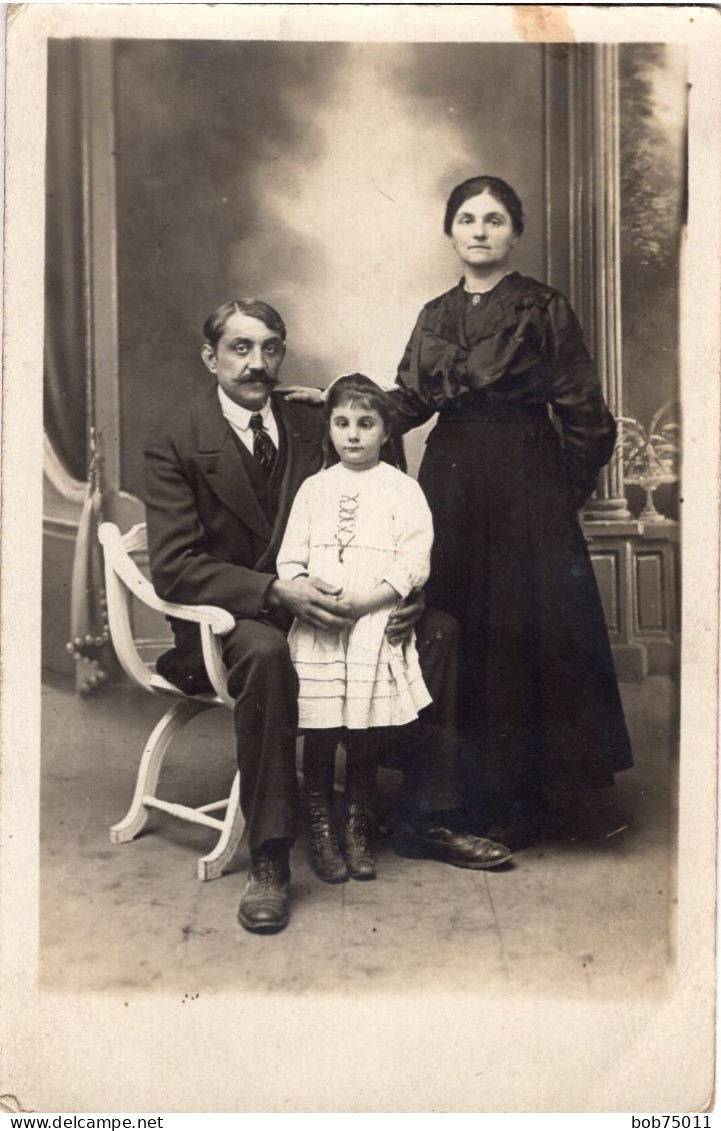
(220, 480)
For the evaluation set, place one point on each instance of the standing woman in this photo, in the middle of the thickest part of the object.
(538, 699)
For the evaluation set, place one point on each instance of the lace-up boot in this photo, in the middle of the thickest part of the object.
(325, 857)
(355, 831)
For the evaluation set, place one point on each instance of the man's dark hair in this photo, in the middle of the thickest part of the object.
(254, 307)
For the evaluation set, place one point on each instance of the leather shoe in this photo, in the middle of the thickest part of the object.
(434, 841)
(264, 904)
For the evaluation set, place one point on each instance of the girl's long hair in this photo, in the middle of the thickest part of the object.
(359, 391)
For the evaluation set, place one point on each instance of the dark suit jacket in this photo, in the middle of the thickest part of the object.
(208, 537)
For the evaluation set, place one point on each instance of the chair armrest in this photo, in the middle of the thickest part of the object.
(214, 665)
(220, 621)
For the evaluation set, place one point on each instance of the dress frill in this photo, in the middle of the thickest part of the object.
(356, 679)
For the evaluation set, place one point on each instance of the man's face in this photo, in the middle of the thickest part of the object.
(246, 360)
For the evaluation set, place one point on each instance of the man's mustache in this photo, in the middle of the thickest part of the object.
(257, 375)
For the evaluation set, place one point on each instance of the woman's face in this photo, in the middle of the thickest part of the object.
(482, 233)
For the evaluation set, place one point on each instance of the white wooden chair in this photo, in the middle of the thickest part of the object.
(124, 582)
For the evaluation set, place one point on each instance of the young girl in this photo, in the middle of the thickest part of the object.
(364, 526)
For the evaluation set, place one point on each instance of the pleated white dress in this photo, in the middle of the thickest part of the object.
(356, 529)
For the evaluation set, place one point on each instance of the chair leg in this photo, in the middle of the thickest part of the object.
(211, 867)
(172, 722)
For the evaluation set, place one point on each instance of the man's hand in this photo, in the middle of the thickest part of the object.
(402, 620)
(312, 601)
(302, 394)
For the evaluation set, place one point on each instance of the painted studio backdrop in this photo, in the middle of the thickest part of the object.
(314, 175)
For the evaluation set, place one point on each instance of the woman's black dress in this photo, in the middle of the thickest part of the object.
(538, 698)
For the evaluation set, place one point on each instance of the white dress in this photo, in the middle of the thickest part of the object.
(356, 529)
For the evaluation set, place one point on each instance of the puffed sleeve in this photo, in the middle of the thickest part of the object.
(413, 527)
(410, 409)
(588, 428)
(294, 552)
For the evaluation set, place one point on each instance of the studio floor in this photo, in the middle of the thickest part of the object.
(587, 912)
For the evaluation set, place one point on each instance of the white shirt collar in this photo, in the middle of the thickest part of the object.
(238, 416)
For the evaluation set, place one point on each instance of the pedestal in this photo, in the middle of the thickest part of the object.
(636, 567)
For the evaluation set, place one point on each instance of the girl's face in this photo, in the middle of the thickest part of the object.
(357, 434)
(482, 232)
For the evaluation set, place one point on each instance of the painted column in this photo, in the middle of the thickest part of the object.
(595, 267)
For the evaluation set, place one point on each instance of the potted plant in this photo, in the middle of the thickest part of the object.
(651, 456)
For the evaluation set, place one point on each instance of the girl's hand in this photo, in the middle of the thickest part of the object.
(355, 604)
(371, 600)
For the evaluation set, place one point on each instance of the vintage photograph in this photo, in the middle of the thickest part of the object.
(371, 365)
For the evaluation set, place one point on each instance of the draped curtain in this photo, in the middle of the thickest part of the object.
(68, 384)
(65, 365)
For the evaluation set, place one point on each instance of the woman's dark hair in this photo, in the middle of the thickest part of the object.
(474, 187)
(215, 323)
(359, 391)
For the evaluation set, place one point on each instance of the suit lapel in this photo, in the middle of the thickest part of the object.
(221, 464)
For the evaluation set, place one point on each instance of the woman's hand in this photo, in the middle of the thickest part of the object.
(403, 619)
(301, 394)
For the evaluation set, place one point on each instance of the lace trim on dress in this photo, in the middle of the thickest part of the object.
(347, 517)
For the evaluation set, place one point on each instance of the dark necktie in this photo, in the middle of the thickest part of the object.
(263, 447)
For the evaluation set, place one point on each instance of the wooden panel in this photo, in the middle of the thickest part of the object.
(651, 605)
(606, 568)
(58, 550)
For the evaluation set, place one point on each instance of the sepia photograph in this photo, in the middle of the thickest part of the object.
(360, 558)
